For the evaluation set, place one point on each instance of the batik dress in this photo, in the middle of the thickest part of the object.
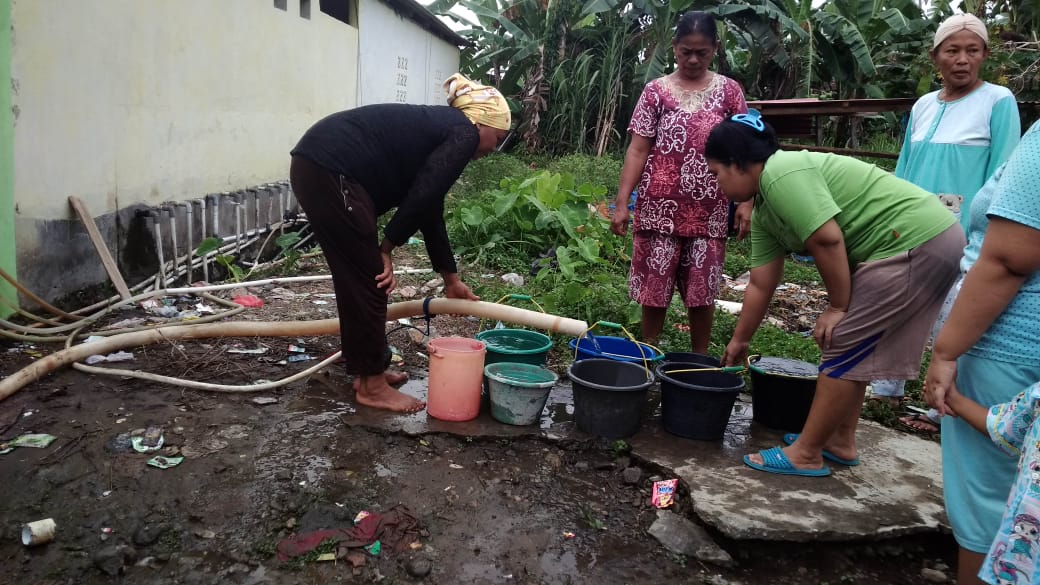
(681, 216)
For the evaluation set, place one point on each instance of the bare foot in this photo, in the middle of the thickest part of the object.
(392, 378)
(395, 378)
(796, 457)
(374, 392)
(845, 450)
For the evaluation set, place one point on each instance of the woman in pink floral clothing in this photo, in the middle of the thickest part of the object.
(681, 217)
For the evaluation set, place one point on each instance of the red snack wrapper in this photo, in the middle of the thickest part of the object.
(664, 493)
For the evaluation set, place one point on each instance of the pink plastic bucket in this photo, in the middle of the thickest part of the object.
(456, 375)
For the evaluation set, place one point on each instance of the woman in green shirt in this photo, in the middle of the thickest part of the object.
(887, 252)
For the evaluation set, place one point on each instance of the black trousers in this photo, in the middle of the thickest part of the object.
(343, 219)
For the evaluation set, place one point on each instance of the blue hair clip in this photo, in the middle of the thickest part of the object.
(752, 118)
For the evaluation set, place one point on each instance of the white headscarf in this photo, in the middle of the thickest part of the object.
(956, 24)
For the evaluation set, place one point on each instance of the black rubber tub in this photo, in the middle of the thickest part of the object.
(609, 396)
(697, 405)
(782, 392)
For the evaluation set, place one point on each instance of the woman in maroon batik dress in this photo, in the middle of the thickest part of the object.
(681, 216)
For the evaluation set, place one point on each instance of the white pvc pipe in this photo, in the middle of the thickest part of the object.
(194, 289)
(173, 238)
(202, 217)
(66, 357)
(159, 249)
(189, 216)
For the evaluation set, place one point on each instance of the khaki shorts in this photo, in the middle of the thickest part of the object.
(894, 304)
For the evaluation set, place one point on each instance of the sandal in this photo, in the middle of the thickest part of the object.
(774, 461)
(920, 423)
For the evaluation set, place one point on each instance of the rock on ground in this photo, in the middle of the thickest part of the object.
(681, 536)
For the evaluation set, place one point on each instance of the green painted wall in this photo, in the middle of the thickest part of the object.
(7, 252)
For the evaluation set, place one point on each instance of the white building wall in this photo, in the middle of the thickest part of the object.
(130, 101)
(400, 61)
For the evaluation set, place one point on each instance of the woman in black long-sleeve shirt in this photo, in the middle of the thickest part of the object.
(352, 167)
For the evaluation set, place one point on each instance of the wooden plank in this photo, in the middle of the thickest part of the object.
(831, 107)
(845, 151)
(99, 244)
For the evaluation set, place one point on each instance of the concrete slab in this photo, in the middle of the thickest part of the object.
(896, 490)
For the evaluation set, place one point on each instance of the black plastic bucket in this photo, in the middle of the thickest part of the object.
(609, 396)
(697, 405)
(782, 392)
(692, 358)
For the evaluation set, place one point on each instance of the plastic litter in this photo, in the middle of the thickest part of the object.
(296, 349)
(150, 440)
(513, 279)
(265, 400)
(165, 311)
(165, 462)
(302, 357)
(126, 323)
(320, 302)
(261, 349)
(93, 338)
(34, 440)
(374, 549)
(248, 301)
(664, 493)
(568, 534)
(119, 356)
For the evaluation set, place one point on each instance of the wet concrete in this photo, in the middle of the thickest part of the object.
(896, 490)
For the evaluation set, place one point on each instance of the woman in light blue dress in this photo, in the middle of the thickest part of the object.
(990, 347)
(955, 139)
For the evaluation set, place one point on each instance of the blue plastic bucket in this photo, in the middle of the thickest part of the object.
(619, 349)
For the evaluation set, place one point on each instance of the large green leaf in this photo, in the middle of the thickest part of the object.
(504, 203)
(589, 249)
(838, 30)
(472, 216)
(596, 6)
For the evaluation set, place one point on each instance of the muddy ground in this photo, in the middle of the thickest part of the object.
(490, 510)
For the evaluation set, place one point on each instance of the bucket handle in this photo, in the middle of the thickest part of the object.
(515, 297)
(432, 350)
(724, 369)
(620, 327)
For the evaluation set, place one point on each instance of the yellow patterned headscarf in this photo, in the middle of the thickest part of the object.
(482, 104)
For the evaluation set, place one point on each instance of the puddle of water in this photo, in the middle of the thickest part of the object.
(483, 572)
(558, 563)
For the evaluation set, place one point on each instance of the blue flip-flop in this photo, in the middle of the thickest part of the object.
(790, 438)
(774, 461)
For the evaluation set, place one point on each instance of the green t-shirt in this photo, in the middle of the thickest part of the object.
(879, 214)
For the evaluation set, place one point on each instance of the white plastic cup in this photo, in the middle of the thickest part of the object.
(39, 532)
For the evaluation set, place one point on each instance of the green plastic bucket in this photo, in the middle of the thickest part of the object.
(518, 391)
(517, 346)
